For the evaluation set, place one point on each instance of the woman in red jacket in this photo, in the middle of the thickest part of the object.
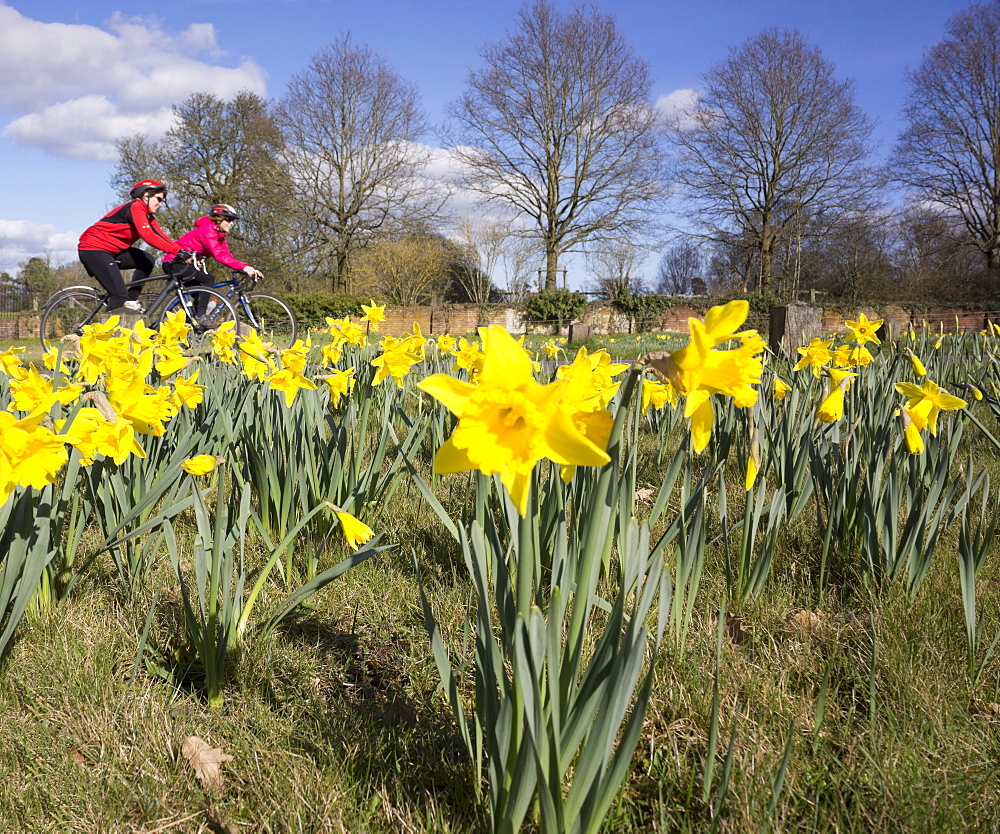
(106, 247)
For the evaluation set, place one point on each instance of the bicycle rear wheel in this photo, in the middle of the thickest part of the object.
(270, 317)
(67, 312)
(218, 311)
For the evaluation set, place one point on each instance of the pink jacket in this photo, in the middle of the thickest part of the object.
(207, 240)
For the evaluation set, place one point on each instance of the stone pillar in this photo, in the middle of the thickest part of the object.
(794, 324)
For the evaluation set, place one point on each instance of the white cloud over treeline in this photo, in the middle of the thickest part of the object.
(21, 239)
(73, 90)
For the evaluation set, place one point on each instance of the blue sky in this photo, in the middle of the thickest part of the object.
(76, 75)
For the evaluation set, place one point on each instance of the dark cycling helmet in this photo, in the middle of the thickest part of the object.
(141, 188)
(224, 211)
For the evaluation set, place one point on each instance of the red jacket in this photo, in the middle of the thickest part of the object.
(123, 226)
(208, 240)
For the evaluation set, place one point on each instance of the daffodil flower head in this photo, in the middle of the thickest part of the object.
(355, 531)
(373, 314)
(508, 421)
(926, 401)
(863, 330)
(199, 464)
(832, 408)
(816, 355)
(915, 363)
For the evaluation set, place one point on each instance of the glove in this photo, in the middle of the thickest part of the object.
(184, 256)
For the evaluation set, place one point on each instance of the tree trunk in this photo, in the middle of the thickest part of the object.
(340, 276)
(551, 268)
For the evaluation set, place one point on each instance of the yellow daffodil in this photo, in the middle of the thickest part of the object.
(223, 340)
(657, 394)
(780, 388)
(926, 401)
(469, 356)
(698, 370)
(10, 361)
(832, 408)
(863, 330)
(753, 460)
(911, 433)
(289, 382)
(199, 464)
(94, 434)
(508, 421)
(340, 384)
(373, 314)
(355, 531)
(815, 356)
(396, 359)
(916, 364)
(551, 349)
(171, 361)
(174, 328)
(331, 354)
(446, 344)
(860, 355)
(344, 331)
(32, 391)
(187, 391)
(31, 455)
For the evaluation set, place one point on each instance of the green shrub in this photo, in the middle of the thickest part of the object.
(559, 306)
(645, 309)
(314, 308)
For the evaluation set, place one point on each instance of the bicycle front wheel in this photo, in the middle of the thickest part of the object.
(270, 317)
(206, 312)
(67, 312)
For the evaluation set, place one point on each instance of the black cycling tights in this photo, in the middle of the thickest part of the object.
(107, 270)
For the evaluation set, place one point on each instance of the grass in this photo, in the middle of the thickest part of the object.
(335, 722)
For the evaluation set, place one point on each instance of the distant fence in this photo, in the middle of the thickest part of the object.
(14, 299)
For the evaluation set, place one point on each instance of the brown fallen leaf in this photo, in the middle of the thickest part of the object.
(644, 495)
(207, 761)
(804, 620)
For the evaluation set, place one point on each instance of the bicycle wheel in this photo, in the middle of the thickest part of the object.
(218, 311)
(67, 312)
(270, 317)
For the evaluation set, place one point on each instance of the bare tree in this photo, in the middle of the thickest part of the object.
(559, 125)
(680, 268)
(775, 138)
(219, 151)
(615, 268)
(949, 154)
(406, 270)
(519, 263)
(483, 241)
(932, 258)
(351, 126)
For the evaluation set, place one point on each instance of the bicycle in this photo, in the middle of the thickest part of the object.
(69, 310)
(268, 315)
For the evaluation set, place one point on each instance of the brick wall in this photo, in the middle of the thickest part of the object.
(459, 319)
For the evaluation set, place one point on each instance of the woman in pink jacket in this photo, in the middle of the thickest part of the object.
(208, 240)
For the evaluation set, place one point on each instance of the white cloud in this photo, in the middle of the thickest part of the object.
(97, 123)
(20, 240)
(676, 107)
(74, 89)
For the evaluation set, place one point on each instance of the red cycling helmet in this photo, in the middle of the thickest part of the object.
(141, 188)
(223, 210)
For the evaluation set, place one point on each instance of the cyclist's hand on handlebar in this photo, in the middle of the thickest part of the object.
(184, 256)
(256, 274)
